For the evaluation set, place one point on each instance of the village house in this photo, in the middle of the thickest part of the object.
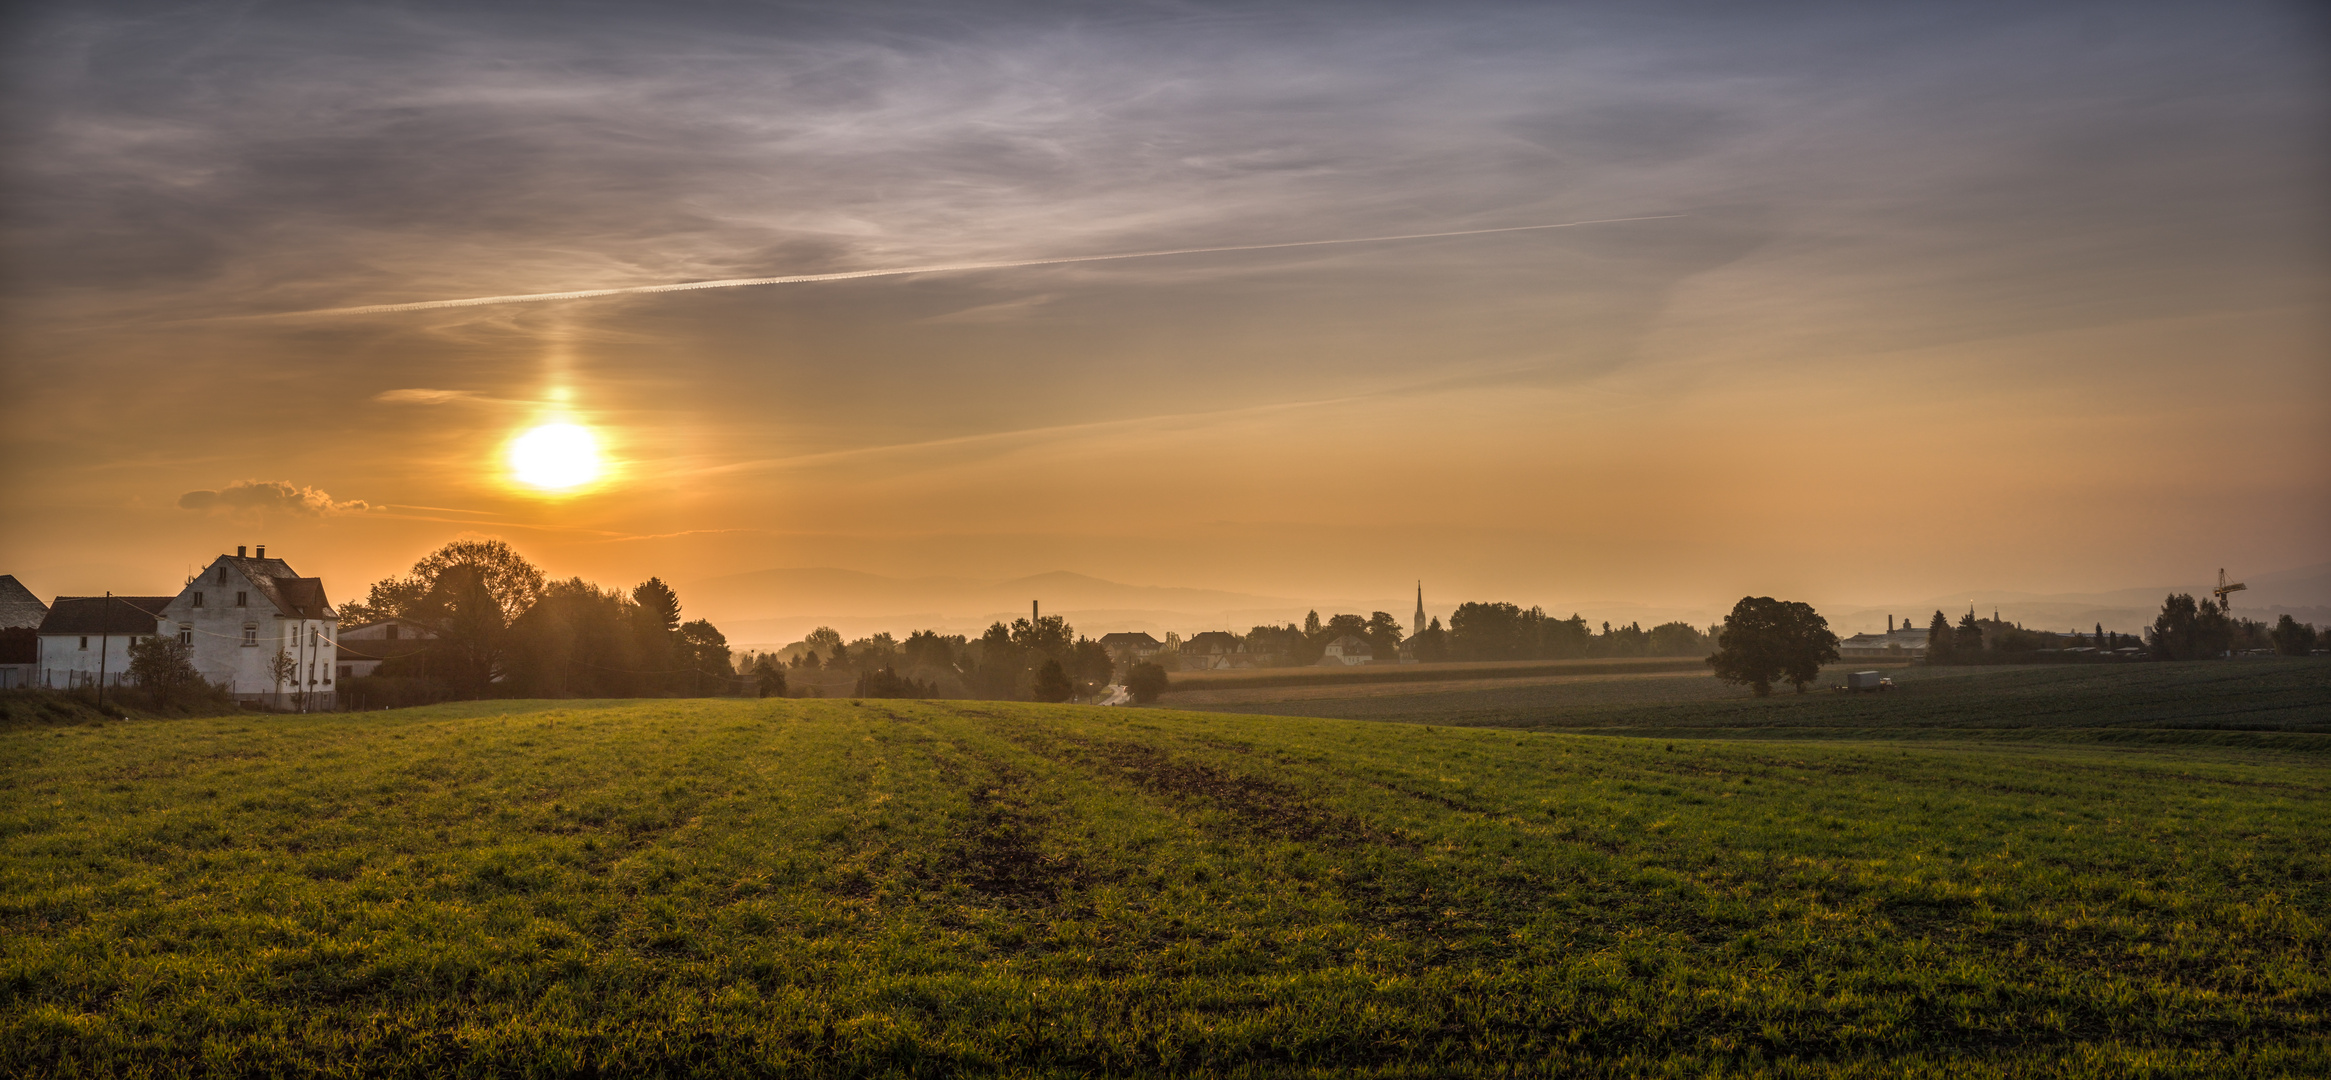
(1212, 650)
(21, 614)
(259, 630)
(85, 640)
(1348, 651)
(1131, 647)
(364, 648)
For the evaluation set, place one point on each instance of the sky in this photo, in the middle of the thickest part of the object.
(1847, 302)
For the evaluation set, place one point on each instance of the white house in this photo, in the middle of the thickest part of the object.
(1348, 651)
(1131, 647)
(259, 630)
(86, 639)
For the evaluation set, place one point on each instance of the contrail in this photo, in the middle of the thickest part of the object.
(847, 275)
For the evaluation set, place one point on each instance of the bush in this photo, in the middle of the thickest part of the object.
(163, 667)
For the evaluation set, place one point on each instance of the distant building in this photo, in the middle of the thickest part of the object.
(1131, 647)
(21, 614)
(364, 648)
(1211, 650)
(1904, 643)
(1348, 651)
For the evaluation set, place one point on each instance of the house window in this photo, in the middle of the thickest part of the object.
(242, 599)
(347, 671)
(186, 635)
(198, 598)
(392, 631)
(222, 575)
(250, 634)
(84, 641)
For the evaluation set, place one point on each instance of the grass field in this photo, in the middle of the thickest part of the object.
(2285, 704)
(948, 888)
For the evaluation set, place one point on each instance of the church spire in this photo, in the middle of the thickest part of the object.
(1419, 625)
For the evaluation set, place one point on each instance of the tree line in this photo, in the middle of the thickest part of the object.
(500, 629)
(2185, 629)
(1041, 659)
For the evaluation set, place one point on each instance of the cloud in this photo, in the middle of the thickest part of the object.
(264, 495)
(421, 396)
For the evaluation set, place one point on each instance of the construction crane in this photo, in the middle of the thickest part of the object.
(2225, 590)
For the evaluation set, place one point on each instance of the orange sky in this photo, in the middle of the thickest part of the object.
(1940, 308)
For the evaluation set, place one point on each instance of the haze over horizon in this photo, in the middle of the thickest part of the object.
(1908, 301)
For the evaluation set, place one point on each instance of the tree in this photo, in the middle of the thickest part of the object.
(512, 583)
(1766, 640)
(472, 632)
(1311, 625)
(769, 677)
(468, 593)
(2187, 630)
(163, 667)
(658, 604)
(1145, 682)
(2099, 642)
(1497, 631)
(1939, 639)
(1676, 639)
(2291, 637)
(1089, 663)
(389, 598)
(1052, 683)
(1431, 644)
(1967, 638)
(704, 651)
(285, 669)
(1383, 633)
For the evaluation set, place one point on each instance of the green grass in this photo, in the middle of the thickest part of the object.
(2283, 704)
(901, 888)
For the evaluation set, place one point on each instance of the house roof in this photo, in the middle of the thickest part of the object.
(18, 606)
(1349, 643)
(293, 595)
(1128, 637)
(103, 615)
(380, 648)
(1222, 640)
(359, 628)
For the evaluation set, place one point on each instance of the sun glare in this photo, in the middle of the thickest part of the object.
(555, 457)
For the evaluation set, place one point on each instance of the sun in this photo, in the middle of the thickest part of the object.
(555, 457)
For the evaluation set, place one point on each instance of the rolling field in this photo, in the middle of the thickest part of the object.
(952, 888)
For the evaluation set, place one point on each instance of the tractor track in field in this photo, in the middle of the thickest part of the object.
(1261, 806)
(999, 853)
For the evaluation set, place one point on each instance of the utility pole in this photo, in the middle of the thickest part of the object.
(104, 644)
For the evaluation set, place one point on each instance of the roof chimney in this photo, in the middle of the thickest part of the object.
(242, 551)
(262, 551)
